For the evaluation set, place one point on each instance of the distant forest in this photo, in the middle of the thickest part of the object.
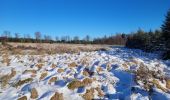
(158, 40)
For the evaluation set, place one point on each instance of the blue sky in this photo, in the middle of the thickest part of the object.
(81, 17)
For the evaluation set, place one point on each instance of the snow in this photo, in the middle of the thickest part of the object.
(115, 79)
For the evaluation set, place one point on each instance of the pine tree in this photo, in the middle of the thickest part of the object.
(166, 34)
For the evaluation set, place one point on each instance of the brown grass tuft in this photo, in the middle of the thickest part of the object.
(60, 70)
(89, 94)
(43, 75)
(6, 78)
(23, 98)
(39, 65)
(73, 64)
(100, 92)
(34, 93)
(87, 81)
(85, 73)
(168, 84)
(57, 96)
(53, 79)
(53, 66)
(74, 84)
(21, 82)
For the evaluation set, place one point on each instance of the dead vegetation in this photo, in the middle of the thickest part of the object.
(34, 93)
(22, 98)
(4, 79)
(21, 82)
(41, 48)
(57, 96)
(60, 70)
(53, 79)
(149, 78)
(73, 64)
(76, 83)
(43, 75)
(89, 94)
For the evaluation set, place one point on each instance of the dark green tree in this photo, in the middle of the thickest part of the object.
(166, 35)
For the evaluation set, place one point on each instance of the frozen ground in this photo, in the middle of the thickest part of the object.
(114, 74)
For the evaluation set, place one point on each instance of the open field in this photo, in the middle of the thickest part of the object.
(47, 48)
(118, 73)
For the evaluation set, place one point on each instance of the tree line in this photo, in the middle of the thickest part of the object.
(118, 39)
(158, 40)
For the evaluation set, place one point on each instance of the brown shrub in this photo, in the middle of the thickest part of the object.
(43, 75)
(23, 98)
(60, 70)
(34, 93)
(57, 96)
(53, 79)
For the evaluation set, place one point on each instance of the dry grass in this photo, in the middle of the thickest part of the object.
(43, 75)
(73, 64)
(53, 79)
(76, 83)
(85, 73)
(5, 59)
(157, 84)
(53, 66)
(21, 82)
(34, 93)
(39, 66)
(6, 78)
(46, 48)
(89, 94)
(100, 92)
(168, 83)
(30, 71)
(60, 70)
(22, 98)
(57, 96)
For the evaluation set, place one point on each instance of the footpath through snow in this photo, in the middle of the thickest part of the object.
(120, 73)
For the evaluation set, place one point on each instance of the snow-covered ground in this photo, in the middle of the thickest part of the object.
(85, 75)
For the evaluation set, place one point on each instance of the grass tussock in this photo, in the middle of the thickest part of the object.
(53, 79)
(39, 66)
(149, 78)
(73, 64)
(21, 82)
(76, 83)
(57, 96)
(60, 70)
(168, 83)
(89, 94)
(4, 79)
(23, 98)
(34, 93)
(43, 75)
